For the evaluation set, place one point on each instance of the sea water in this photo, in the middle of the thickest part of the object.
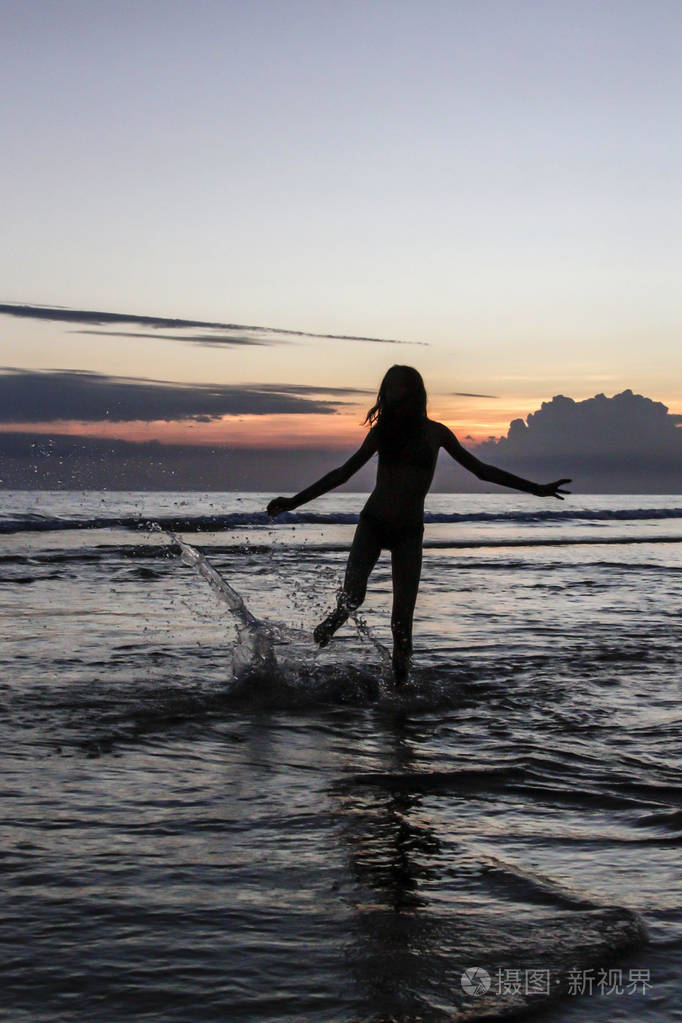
(206, 818)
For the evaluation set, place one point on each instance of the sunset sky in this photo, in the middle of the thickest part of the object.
(494, 184)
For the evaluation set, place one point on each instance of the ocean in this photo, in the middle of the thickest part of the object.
(204, 817)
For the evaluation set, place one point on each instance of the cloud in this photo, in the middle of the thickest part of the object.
(312, 389)
(230, 333)
(563, 438)
(201, 339)
(468, 394)
(626, 444)
(54, 395)
(619, 443)
(626, 425)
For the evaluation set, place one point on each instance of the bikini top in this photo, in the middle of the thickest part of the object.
(417, 452)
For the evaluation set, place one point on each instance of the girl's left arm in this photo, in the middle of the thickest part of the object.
(491, 474)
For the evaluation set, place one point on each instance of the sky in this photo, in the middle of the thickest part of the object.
(489, 191)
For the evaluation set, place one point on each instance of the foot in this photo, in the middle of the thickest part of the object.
(326, 629)
(401, 666)
(323, 633)
(399, 677)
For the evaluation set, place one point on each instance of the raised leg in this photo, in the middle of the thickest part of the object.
(406, 564)
(362, 558)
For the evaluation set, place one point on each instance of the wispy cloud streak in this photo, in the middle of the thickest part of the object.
(468, 394)
(200, 339)
(243, 333)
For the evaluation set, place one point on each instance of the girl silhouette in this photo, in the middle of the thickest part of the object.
(393, 516)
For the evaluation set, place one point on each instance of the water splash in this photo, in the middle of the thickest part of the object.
(253, 655)
(383, 652)
(254, 648)
(363, 629)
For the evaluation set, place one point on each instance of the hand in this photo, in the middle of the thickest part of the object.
(279, 505)
(552, 489)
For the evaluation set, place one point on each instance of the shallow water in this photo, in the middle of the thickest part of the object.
(206, 818)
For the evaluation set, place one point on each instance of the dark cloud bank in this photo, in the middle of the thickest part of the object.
(627, 444)
(61, 395)
(624, 444)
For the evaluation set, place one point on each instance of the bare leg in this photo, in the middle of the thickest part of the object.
(362, 558)
(406, 563)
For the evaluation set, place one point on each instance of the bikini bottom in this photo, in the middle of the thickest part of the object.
(388, 536)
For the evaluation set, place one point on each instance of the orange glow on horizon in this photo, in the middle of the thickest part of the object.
(343, 430)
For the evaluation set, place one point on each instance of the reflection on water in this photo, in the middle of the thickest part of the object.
(299, 842)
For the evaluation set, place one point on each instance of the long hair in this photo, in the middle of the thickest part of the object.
(398, 421)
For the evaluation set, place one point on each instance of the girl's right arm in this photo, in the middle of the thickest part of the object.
(329, 481)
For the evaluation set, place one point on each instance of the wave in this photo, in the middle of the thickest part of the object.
(162, 551)
(33, 522)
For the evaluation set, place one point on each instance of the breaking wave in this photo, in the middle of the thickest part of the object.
(34, 522)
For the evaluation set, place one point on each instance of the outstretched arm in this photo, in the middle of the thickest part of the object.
(331, 480)
(491, 474)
